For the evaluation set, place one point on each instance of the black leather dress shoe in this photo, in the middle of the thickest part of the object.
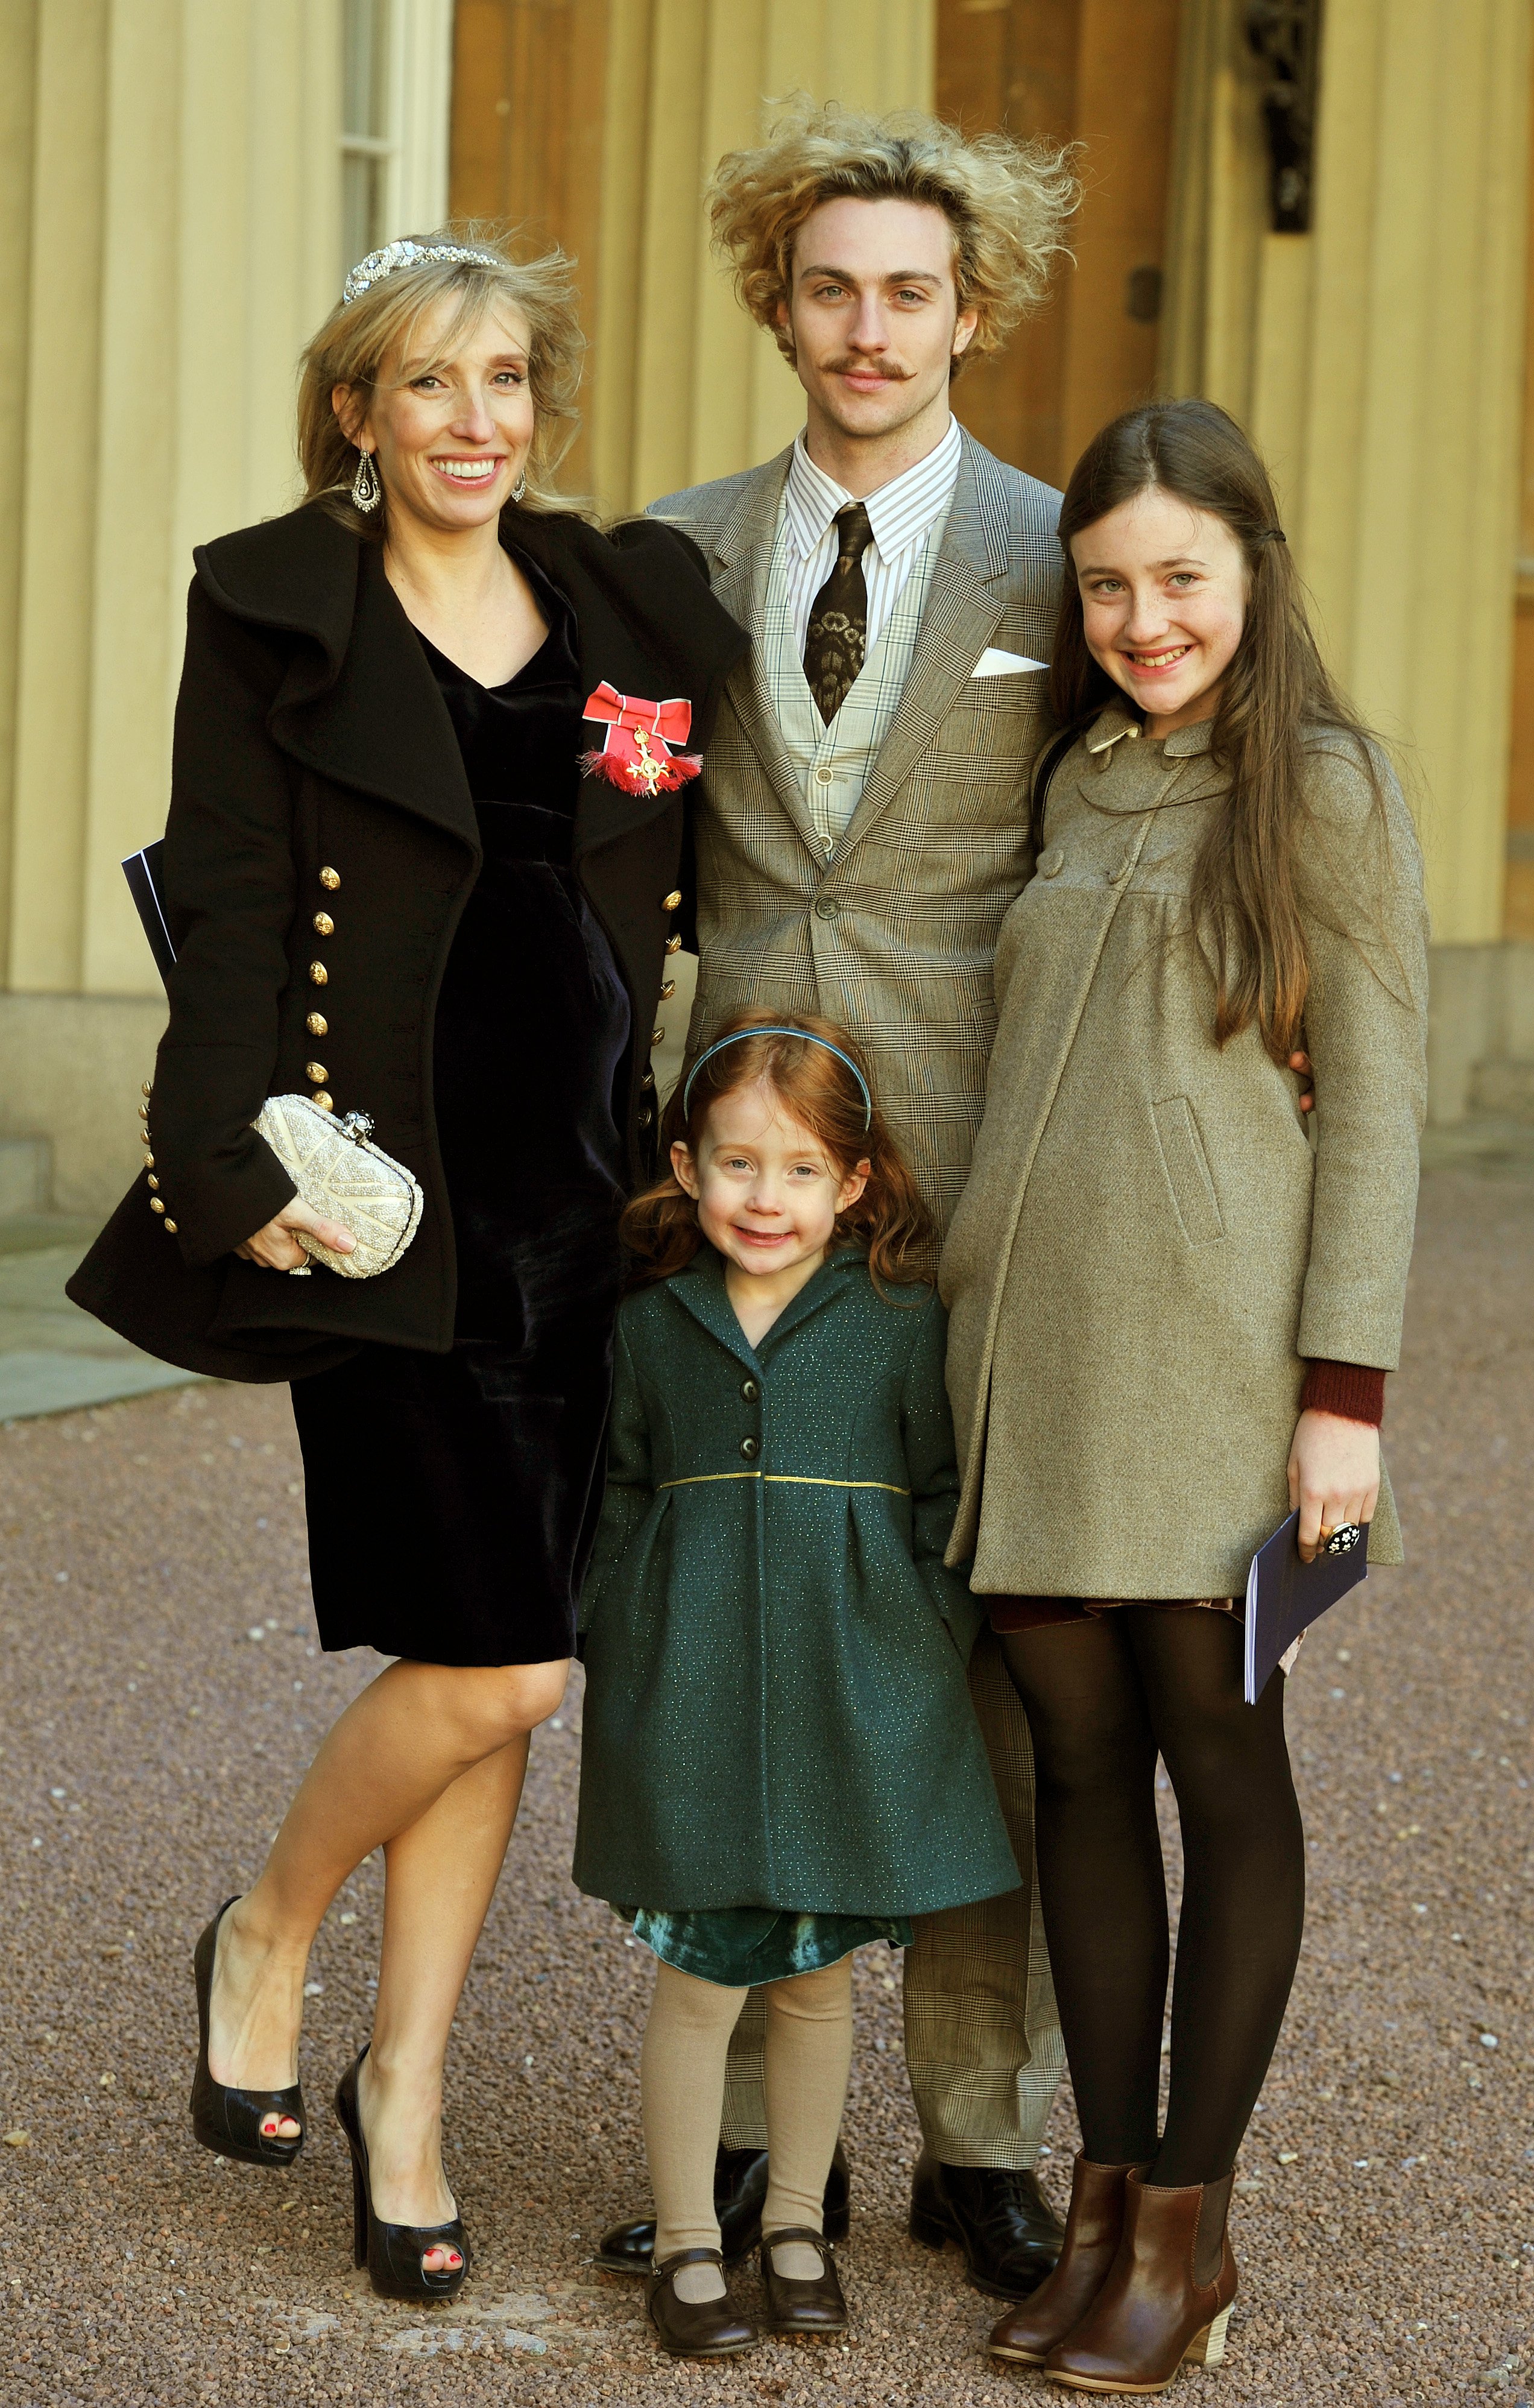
(1010, 2234)
(740, 2180)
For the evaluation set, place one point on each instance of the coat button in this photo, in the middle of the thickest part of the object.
(827, 908)
(319, 975)
(149, 1158)
(330, 879)
(154, 1181)
(317, 1025)
(145, 1139)
(146, 1090)
(672, 901)
(1052, 863)
(155, 1205)
(322, 1102)
(673, 944)
(825, 777)
(143, 1112)
(657, 1036)
(751, 1448)
(316, 1073)
(749, 1390)
(324, 925)
(170, 1228)
(668, 990)
(645, 1115)
(1119, 877)
(648, 1079)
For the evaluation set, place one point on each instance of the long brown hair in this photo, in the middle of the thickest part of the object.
(889, 1220)
(1275, 696)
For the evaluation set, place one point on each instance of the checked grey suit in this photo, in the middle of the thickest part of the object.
(890, 928)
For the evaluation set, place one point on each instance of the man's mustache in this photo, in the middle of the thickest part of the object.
(891, 374)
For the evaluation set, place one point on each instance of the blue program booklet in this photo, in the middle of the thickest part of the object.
(1284, 1596)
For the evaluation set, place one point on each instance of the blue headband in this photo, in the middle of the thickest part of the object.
(806, 1034)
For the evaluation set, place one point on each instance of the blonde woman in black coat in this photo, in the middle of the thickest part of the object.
(392, 886)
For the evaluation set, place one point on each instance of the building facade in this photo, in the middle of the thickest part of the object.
(1316, 213)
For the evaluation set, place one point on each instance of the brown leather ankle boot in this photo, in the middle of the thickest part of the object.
(1166, 2299)
(1030, 2331)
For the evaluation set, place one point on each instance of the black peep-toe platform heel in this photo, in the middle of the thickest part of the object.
(230, 2120)
(393, 2253)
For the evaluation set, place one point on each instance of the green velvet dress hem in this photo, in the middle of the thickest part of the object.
(742, 1946)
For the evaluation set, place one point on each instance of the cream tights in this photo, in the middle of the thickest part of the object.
(682, 2087)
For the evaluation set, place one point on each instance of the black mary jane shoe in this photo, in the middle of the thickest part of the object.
(394, 2254)
(226, 2119)
(998, 2215)
(740, 2181)
(812, 2305)
(695, 2328)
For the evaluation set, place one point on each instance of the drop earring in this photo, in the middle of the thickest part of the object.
(520, 487)
(366, 487)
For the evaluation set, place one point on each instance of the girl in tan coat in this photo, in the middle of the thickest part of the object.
(1173, 1306)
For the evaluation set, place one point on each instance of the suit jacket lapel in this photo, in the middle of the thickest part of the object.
(963, 609)
(743, 550)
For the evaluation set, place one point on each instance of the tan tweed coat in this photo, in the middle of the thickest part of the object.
(892, 934)
(1152, 1238)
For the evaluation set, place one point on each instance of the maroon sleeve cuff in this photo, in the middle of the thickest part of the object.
(1353, 1390)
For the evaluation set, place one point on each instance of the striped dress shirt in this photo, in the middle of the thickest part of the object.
(902, 514)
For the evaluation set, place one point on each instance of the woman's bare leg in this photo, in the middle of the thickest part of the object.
(441, 1877)
(412, 1734)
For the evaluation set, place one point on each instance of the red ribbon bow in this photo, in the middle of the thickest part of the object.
(634, 753)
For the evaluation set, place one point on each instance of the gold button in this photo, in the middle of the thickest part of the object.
(316, 1072)
(146, 1089)
(327, 1103)
(331, 878)
(668, 990)
(649, 1079)
(145, 1139)
(170, 1228)
(319, 975)
(154, 1181)
(670, 902)
(149, 1160)
(143, 1112)
(317, 1025)
(155, 1205)
(673, 944)
(657, 1036)
(324, 925)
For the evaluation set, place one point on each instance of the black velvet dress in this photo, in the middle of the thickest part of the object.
(453, 1498)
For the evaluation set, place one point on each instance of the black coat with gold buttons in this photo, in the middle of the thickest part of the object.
(321, 847)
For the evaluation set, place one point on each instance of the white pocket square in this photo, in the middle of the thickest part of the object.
(993, 663)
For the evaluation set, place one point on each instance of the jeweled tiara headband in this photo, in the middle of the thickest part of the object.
(379, 264)
(738, 1037)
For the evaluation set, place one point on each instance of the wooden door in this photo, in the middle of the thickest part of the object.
(1098, 74)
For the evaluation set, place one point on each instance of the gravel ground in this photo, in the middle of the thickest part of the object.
(163, 1694)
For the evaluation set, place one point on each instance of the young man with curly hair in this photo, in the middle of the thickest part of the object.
(861, 829)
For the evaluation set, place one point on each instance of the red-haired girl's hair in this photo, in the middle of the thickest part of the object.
(889, 1220)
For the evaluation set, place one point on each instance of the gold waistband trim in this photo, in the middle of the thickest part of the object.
(782, 1480)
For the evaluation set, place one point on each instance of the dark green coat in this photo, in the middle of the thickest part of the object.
(777, 1713)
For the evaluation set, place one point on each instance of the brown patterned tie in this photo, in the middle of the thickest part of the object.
(838, 635)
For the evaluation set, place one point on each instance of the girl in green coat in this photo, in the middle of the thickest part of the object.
(781, 1761)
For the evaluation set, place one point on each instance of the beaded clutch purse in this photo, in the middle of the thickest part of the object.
(340, 1173)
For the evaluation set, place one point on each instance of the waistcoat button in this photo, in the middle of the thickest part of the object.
(751, 1449)
(749, 1390)
(827, 908)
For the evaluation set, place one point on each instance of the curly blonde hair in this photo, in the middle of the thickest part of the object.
(1007, 202)
(360, 339)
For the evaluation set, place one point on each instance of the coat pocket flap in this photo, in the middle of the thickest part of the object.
(1188, 1174)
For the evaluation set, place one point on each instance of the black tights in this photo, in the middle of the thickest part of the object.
(1103, 1697)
